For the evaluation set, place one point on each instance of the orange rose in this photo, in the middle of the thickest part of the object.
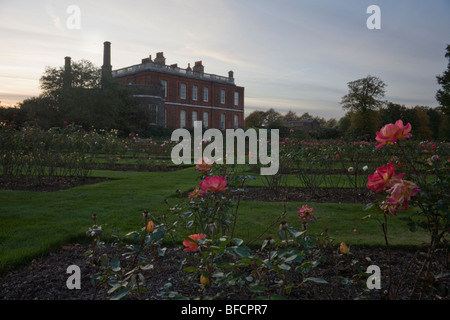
(193, 246)
(150, 226)
(343, 248)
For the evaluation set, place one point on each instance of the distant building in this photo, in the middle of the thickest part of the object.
(177, 97)
(304, 125)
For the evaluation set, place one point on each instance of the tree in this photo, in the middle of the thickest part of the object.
(83, 74)
(443, 95)
(290, 116)
(267, 119)
(363, 101)
(255, 119)
(77, 94)
(273, 119)
(364, 94)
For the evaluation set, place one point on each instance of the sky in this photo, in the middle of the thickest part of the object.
(296, 55)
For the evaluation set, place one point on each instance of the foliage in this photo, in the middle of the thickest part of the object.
(364, 94)
(80, 95)
(68, 151)
(429, 197)
(443, 94)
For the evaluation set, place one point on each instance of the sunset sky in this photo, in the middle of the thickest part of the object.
(294, 55)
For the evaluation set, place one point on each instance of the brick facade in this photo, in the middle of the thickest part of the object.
(186, 95)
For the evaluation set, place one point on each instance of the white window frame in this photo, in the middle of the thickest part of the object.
(205, 120)
(236, 121)
(183, 91)
(222, 121)
(236, 98)
(194, 117)
(205, 94)
(165, 118)
(222, 96)
(194, 93)
(164, 85)
(182, 118)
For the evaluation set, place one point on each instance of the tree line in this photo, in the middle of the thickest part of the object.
(81, 96)
(367, 112)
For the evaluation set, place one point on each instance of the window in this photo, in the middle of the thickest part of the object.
(182, 119)
(194, 93)
(194, 117)
(236, 98)
(153, 113)
(222, 121)
(205, 120)
(205, 94)
(165, 118)
(164, 85)
(222, 96)
(236, 121)
(183, 91)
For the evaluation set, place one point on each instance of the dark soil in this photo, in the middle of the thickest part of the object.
(46, 183)
(45, 278)
(337, 195)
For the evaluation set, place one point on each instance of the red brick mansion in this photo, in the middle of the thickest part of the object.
(177, 97)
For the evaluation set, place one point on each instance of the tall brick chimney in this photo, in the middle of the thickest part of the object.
(106, 67)
(160, 59)
(67, 80)
(198, 67)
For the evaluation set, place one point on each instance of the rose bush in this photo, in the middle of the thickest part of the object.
(426, 192)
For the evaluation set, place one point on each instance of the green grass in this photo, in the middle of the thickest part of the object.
(34, 223)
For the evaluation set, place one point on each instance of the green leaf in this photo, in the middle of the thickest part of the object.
(162, 251)
(316, 280)
(115, 264)
(284, 266)
(189, 223)
(120, 294)
(190, 269)
(242, 251)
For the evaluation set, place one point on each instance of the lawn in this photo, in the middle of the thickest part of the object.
(35, 223)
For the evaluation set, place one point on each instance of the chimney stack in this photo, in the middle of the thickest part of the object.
(106, 68)
(147, 60)
(198, 67)
(160, 59)
(67, 81)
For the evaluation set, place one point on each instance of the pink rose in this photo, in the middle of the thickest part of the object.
(391, 133)
(213, 184)
(382, 178)
(401, 192)
(305, 213)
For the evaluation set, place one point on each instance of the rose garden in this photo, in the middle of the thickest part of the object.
(140, 227)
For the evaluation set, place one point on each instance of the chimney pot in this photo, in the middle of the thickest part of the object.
(160, 59)
(198, 67)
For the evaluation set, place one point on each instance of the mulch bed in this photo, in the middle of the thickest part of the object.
(45, 278)
(46, 183)
(337, 195)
